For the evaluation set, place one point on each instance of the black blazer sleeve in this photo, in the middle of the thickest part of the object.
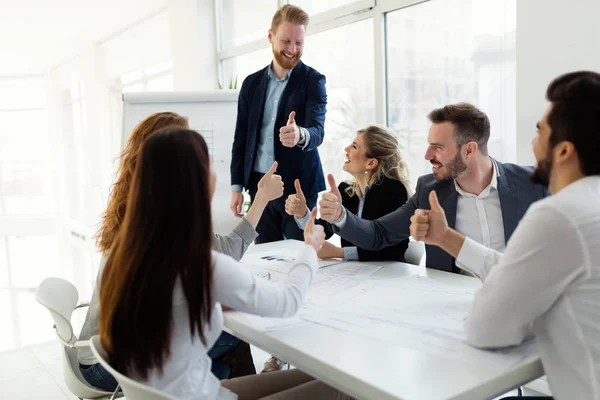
(316, 107)
(381, 200)
(238, 152)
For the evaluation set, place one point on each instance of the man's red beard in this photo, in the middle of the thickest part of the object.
(284, 62)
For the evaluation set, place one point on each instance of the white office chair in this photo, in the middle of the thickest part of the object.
(133, 390)
(414, 253)
(60, 298)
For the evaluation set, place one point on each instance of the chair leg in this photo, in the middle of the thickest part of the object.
(114, 395)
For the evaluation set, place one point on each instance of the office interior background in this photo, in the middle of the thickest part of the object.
(66, 63)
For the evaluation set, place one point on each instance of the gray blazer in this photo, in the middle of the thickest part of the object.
(514, 188)
(234, 245)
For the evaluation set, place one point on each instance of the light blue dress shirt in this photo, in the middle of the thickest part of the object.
(265, 152)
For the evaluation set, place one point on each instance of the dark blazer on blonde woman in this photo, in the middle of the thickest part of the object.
(382, 198)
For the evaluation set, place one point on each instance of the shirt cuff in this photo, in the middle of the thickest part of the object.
(306, 137)
(351, 253)
(246, 231)
(301, 222)
(471, 257)
(341, 221)
(236, 188)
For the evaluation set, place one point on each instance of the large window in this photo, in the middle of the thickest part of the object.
(73, 141)
(26, 185)
(33, 258)
(350, 86)
(392, 66)
(244, 21)
(157, 78)
(236, 69)
(449, 51)
(28, 234)
(313, 7)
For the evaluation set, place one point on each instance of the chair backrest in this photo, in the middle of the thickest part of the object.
(414, 253)
(133, 390)
(60, 298)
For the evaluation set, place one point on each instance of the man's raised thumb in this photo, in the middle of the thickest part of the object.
(434, 203)
(292, 118)
(298, 187)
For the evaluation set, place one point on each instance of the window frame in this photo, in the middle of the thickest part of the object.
(330, 19)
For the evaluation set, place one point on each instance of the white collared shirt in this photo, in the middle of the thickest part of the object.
(186, 372)
(480, 216)
(548, 282)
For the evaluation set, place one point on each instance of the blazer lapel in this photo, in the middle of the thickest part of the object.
(508, 202)
(258, 104)
(448, 200)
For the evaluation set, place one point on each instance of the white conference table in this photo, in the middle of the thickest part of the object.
(367, 369)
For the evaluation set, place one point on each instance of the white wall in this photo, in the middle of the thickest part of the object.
(553, 37)
(138, 47)
(193, 44)
(184, 32)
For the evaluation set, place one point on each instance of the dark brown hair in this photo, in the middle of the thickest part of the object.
(471, 124)
(166, 236)
(575, 116)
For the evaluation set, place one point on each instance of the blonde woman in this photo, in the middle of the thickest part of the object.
(380, 185)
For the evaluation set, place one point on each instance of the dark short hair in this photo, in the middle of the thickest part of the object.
(472, 125)
(575, 116)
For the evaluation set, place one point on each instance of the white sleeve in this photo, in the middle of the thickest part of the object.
(477, 258)
(237, 288)
(543, 257)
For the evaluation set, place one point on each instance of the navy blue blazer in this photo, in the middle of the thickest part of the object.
(516, 194)
(305, 94)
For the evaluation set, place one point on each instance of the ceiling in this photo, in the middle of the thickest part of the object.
(38, 34)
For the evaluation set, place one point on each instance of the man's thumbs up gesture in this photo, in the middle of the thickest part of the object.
(429, 226)
(295, 204)
(330, 205)
(290, 134)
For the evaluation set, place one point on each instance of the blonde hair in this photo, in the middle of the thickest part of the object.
(115, 211)
(289, 13)
(382, 145)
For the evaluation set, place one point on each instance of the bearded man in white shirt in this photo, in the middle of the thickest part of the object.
(548, 279)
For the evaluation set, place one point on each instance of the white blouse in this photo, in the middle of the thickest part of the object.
(187, 372)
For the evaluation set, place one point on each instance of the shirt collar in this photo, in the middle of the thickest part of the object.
(272, 75)
(485, 192)
(362, 195)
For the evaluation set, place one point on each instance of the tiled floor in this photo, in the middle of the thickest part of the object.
(33, 372)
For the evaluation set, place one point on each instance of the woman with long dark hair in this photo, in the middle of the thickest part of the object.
(162, 287)
(237, 353)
